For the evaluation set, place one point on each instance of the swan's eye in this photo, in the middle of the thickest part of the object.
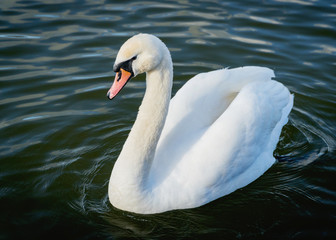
(127, 65)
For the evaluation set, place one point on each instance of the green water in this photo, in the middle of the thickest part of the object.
(60, 136)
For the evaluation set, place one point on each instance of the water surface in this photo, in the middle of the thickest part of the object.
(60, 136)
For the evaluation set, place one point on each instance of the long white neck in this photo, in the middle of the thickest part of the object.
(128, 183)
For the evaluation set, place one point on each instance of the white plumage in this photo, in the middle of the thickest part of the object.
(216, 135)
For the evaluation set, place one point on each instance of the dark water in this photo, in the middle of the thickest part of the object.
(60, 136)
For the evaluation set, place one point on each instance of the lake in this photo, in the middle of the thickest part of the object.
(60, 136)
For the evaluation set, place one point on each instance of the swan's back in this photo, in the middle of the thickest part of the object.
(211, 93)
(220, 133)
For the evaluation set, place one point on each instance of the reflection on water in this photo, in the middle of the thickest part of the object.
(59, 136)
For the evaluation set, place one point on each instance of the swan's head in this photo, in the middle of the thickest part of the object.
(141, 53)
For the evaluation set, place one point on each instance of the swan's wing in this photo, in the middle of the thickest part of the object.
(207, 161)
(238, 147)
(195, 107)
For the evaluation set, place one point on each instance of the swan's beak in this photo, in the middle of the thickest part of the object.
(120, 81)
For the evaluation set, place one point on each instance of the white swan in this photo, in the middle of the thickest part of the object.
(216, 135)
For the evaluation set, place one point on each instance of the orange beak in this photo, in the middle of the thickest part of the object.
(120, 81)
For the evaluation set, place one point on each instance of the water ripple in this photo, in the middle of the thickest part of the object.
(19, 36)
